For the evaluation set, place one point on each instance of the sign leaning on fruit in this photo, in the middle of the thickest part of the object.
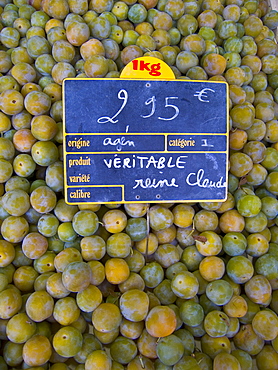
(176, 149)
(138, 278)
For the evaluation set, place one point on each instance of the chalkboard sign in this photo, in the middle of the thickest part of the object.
(132, 140)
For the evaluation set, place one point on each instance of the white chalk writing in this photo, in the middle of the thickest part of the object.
(199, 179)
(153, 183)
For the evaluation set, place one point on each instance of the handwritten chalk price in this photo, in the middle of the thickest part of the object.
(123, 95)
(152, 101)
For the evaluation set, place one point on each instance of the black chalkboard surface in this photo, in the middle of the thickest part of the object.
(130, 140)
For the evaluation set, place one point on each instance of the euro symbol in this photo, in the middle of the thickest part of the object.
(202, 95)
